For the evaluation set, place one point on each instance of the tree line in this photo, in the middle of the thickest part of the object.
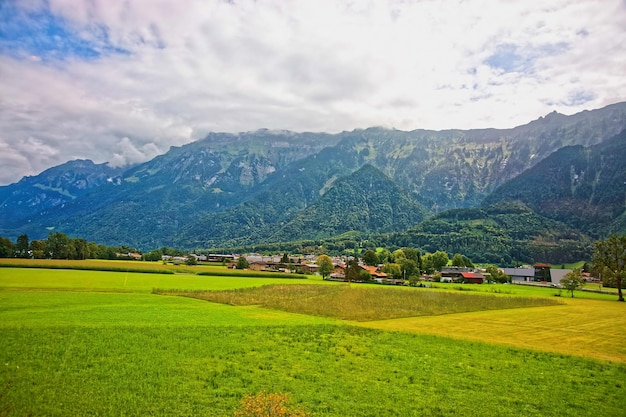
(609, 257)
(59, 246)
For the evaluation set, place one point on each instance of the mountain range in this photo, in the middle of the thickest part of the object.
(269, 186)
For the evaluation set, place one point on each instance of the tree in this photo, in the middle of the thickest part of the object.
(58, 246)
(80, 248)
(242, 263)
(393, 269)
(468, 262)
(325, 265)
(22, 247)
(38, 247)
(7, 248)
(385, 256)
(573, 281)
(440, 259)
(365, 276)
(610, 258)
(398, 255)
(370, 258)
(497, 275)
(408, 267)
(154, 255)
(457, 260)
(427, 264)
(191, 260)
(353, 270)
(411, 253)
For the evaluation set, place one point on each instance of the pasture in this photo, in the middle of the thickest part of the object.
(100, 343)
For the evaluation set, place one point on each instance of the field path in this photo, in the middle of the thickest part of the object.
(589, 328)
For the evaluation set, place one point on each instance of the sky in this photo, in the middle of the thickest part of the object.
(120, 81)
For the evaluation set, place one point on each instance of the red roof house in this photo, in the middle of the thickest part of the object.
(473, 277)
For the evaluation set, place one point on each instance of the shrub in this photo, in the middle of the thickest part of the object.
(268, 405)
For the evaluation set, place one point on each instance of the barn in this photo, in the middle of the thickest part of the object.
(473, 277)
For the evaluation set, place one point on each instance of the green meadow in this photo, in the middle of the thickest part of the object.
(85, 343)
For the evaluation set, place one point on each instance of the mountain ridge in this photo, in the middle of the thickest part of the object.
(242, 188)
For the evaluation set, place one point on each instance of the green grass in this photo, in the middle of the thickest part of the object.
(528, 290)
(327, 369)
(140, 267)
(98, 343)
(81, 280)
(362, 303)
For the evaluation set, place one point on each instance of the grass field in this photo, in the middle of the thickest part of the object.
(362, 303)
(138, 266)
(99, 343)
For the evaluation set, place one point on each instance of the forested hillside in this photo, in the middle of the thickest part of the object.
(500, 234)
(583, 187)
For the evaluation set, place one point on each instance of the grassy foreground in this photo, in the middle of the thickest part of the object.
(101, 344)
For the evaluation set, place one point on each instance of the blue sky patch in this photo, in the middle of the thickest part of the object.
(511, 58)
(44, 35)
(507, 58)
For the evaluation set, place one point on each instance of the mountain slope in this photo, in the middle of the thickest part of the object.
(496, 234)
(366, 201)
(54, 187)
(150, 203)
(584, 187)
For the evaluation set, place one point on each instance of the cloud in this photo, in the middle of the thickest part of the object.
(121, 81)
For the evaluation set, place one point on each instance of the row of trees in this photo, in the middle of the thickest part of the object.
(58, 246)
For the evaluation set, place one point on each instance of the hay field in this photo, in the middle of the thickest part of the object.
(581, 327)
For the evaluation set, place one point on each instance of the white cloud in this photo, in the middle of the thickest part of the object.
(169, 72)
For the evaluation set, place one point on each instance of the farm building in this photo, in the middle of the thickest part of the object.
(540, 273)
(473, 277)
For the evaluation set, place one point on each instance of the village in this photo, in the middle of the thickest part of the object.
(541, 274)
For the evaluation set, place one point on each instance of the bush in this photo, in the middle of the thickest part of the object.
(268, 405)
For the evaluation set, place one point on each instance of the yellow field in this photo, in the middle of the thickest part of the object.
(588, 328)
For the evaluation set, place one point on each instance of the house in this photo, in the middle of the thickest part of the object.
(473, 277)
(214, 257)
(542, 273)
(129, 255)
(538, 274)
(338, 273)
(519, 275)
(309, 268)
(258, 266)
(375, 272)
(453, 273)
